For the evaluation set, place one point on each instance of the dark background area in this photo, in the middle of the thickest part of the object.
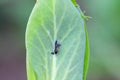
(14, 15)
(103, 29)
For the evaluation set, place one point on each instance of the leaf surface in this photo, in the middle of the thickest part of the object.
(53, 20)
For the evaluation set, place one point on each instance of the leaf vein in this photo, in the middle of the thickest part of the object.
(70, 62)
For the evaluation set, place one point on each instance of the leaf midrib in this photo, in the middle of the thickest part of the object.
(55, 37)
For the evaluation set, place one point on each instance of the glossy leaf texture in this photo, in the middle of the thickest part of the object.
(53, 20)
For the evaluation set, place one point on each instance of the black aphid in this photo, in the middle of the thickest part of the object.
(57, 46)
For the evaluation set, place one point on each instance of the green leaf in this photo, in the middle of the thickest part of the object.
(87, 51)
(30, 71)
(86, 57)
(53, 20)
(74, 2)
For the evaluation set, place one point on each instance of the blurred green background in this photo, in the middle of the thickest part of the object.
(103, 29)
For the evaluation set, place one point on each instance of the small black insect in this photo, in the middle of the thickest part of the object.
(57, 46)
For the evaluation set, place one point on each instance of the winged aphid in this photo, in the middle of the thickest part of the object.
(56, 48)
